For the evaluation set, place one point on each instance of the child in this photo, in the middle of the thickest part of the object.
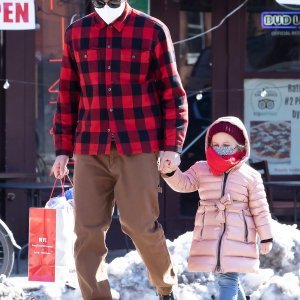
(233, 207)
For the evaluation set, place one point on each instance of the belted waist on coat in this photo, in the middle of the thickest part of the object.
(224, 203)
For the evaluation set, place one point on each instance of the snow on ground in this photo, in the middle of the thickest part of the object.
(278, 279)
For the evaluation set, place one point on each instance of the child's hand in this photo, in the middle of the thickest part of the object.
(168, 161)
(166, 170)
(265, 248)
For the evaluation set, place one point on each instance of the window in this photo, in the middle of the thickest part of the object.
(196, 71)
(273, 37)
(53, 17)
(195, 68)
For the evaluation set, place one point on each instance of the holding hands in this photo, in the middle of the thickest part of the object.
(168, 161)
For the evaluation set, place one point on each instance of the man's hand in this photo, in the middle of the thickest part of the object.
(168, 161)
(265, 248)
(59, 168)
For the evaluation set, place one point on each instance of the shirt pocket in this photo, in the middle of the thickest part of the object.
(134, 65)
(88, 62)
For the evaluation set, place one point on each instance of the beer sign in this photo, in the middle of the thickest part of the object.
(17, 14)
(280, 20)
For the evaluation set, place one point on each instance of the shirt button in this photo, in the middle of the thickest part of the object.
(109, 89)
(108, 46)
(108, 130)
(85, 55)
(108, 67)
(111, 109)
(133, 56)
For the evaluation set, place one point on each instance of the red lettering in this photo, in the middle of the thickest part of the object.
(22, 12)
(7, 12)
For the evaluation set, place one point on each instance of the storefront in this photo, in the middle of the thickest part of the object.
(245, 61)
(248, 66)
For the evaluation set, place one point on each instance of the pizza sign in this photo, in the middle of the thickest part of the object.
(17, 14)
(272, 118)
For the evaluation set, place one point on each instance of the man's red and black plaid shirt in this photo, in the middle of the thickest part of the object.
(120, 82)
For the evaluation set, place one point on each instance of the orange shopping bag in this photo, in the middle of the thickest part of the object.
(42, 241)
(51, 242)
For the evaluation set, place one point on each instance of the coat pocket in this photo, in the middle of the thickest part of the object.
(250, 232)
(206, 228)
(245, 228)
(242, 230)
(199, 225)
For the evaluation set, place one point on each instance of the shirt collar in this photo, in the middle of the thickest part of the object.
(118, 23)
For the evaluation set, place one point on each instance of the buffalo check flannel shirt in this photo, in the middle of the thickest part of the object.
(119, 82)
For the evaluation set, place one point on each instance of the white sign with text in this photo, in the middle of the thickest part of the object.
(272, 118)
(17, 14)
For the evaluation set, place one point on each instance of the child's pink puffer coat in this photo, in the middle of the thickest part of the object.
(233, 210)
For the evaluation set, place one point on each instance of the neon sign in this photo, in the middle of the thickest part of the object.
(280, 20)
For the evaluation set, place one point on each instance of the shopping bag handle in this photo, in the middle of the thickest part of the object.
(69, 180)
(62, 182)
(54, 185)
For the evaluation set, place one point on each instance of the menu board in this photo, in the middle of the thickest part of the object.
(272, 119)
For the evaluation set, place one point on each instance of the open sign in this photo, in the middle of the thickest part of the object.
(17, 14)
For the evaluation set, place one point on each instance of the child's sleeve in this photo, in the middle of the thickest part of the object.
(183, 182)
(259, 208)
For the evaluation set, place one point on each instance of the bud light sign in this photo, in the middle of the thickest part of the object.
(280, 20)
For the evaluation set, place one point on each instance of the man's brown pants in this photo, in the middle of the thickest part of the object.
(131, 182)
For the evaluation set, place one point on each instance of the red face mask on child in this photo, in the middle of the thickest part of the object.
(220, 164)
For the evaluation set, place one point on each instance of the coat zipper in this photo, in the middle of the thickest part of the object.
(218, 266)
(246, 228)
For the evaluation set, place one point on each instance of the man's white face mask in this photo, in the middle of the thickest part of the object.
(108, 14)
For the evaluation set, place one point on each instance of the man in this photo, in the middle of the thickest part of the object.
(121, 105)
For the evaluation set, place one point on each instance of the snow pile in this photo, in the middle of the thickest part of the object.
(284, 263)
(9, 291)
(285, 255)
(278, 279)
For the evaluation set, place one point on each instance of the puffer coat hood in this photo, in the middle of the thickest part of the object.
(233, 211)
(238, 123)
